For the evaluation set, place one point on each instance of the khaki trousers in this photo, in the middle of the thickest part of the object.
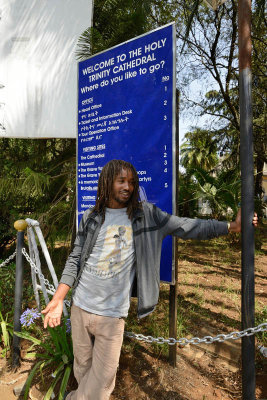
(97, 342)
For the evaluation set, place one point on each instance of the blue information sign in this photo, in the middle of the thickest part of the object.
(126, 111)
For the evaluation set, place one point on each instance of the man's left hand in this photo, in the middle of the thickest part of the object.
(235, 226)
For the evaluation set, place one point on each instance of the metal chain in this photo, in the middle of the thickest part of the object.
(195, 340)
(7, 261)
(41, 276)
(34, 267)
(263, 350)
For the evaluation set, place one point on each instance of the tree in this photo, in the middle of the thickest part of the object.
(221, 190)
(37, 180)
(211, 50)
(259, 62)
(188, 196)
(199, 150)
(206, 177)
(115, 21)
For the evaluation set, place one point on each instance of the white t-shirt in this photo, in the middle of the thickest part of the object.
(106, 282)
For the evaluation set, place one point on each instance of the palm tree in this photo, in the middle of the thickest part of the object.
(115, 21)
(222, 191)
(199, 150)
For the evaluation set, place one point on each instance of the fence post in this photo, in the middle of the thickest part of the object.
(20, 226)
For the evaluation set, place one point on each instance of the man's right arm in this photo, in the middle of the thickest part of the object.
(54, 308)
(187, 228)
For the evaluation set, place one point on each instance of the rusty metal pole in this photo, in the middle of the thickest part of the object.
(247, 197)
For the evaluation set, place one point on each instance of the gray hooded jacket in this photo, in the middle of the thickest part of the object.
(150, 226)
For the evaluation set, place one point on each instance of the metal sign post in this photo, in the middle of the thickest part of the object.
(247, 197)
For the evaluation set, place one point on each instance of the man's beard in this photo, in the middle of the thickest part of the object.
(121, 201)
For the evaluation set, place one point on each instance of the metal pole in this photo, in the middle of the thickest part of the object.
(173, 318)
(174, 288)
(20, 225)
(247, 197)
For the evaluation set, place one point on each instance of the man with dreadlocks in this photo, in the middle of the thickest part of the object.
(117, 249)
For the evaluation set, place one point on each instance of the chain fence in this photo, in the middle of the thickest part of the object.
(196, 340)
(48, 285)
(46, 282)
(7, 261)
(159, 340)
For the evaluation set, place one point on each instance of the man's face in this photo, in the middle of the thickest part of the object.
(123, 187)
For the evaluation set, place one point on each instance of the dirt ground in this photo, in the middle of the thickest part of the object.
(209, 287)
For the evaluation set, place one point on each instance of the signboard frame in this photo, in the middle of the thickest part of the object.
(174, 131)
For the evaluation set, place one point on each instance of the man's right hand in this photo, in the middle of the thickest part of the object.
(54, 309)
(53, 312)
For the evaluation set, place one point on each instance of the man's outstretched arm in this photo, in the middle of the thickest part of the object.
(188, 228)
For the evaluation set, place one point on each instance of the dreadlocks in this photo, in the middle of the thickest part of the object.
(105, 186)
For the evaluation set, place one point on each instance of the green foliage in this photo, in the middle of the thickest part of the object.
(7, 287)
(210, 58)
(260, 318)
(6, 332)
(199, 150)
(130, 18)
(221, 190)
(54, 353)
(187, 200)
(211, 54)
(259, 62)
(206, 178)
(37, 180)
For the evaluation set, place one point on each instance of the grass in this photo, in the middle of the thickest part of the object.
(209, 294)
(260, 317)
